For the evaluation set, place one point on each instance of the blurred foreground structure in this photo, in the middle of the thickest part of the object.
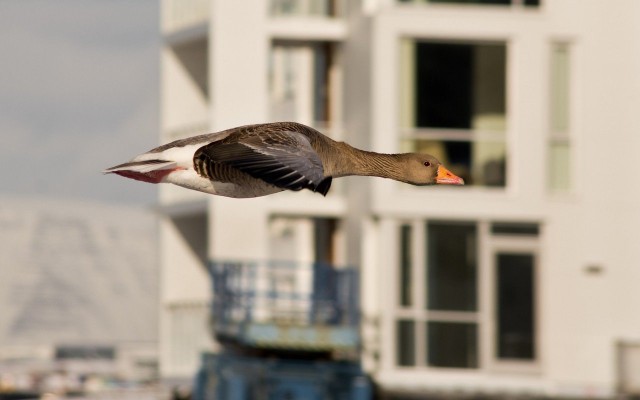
(523, 282)
(78, 284)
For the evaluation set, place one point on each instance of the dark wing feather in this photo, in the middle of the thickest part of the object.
(282, 158)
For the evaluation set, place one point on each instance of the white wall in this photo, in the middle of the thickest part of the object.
(582, 314)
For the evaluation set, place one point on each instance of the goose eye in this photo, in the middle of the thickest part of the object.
(426, 164)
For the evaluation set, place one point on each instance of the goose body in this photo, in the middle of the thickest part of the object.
(258, 160)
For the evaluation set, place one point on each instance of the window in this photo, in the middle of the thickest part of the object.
(305, 240)
(85, 353)
(451, 291)
(406, 343)
(301, 83)
(445, 333)
(452, 344)
(406, 266)
(440, 326)
(453, 105)
(534, 3)
(560, 137)
(515, 306)
(451, 266)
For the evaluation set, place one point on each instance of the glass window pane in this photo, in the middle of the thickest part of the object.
(405, 265)
(559, 88)
(451, 267)
(443, 85)
(559, 166)
(461, 86)
(559, 145)
(452, 344)
(515, 306)
(406, 343)
(478, 163)
(453, 105)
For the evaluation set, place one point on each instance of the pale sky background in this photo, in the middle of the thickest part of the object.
(78, 93)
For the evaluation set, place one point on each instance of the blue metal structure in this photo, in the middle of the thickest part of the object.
(246, 378)
(280, 324)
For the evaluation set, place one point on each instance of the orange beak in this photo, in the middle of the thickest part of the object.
(445, 177)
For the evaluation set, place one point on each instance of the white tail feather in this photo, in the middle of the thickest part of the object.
(142, 166)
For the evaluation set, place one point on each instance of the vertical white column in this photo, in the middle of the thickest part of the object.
(239, 71)
(238, 62)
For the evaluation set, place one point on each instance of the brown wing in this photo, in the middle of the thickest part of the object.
(281, 158)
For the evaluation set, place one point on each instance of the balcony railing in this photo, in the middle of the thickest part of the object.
(285, 305)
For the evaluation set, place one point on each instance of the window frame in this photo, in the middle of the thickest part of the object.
(567, 136)
(418, 311)
(488, 246)
(297, 59)
(516, 245)
(406, 133)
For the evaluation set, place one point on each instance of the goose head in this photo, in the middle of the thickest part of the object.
(425, 169)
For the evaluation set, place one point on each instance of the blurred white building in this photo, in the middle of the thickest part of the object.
(78, 294)
(523, 282)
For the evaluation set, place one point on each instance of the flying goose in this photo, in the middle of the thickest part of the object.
(257, 160)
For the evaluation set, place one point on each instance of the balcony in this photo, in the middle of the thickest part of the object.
(285, 305)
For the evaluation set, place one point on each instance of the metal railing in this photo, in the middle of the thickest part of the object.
(283, 294)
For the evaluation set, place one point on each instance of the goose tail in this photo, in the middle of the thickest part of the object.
(152, 171)
(324, 186)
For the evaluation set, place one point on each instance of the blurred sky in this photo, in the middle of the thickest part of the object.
(78, 93)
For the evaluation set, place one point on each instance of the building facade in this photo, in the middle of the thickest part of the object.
(523, 281)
